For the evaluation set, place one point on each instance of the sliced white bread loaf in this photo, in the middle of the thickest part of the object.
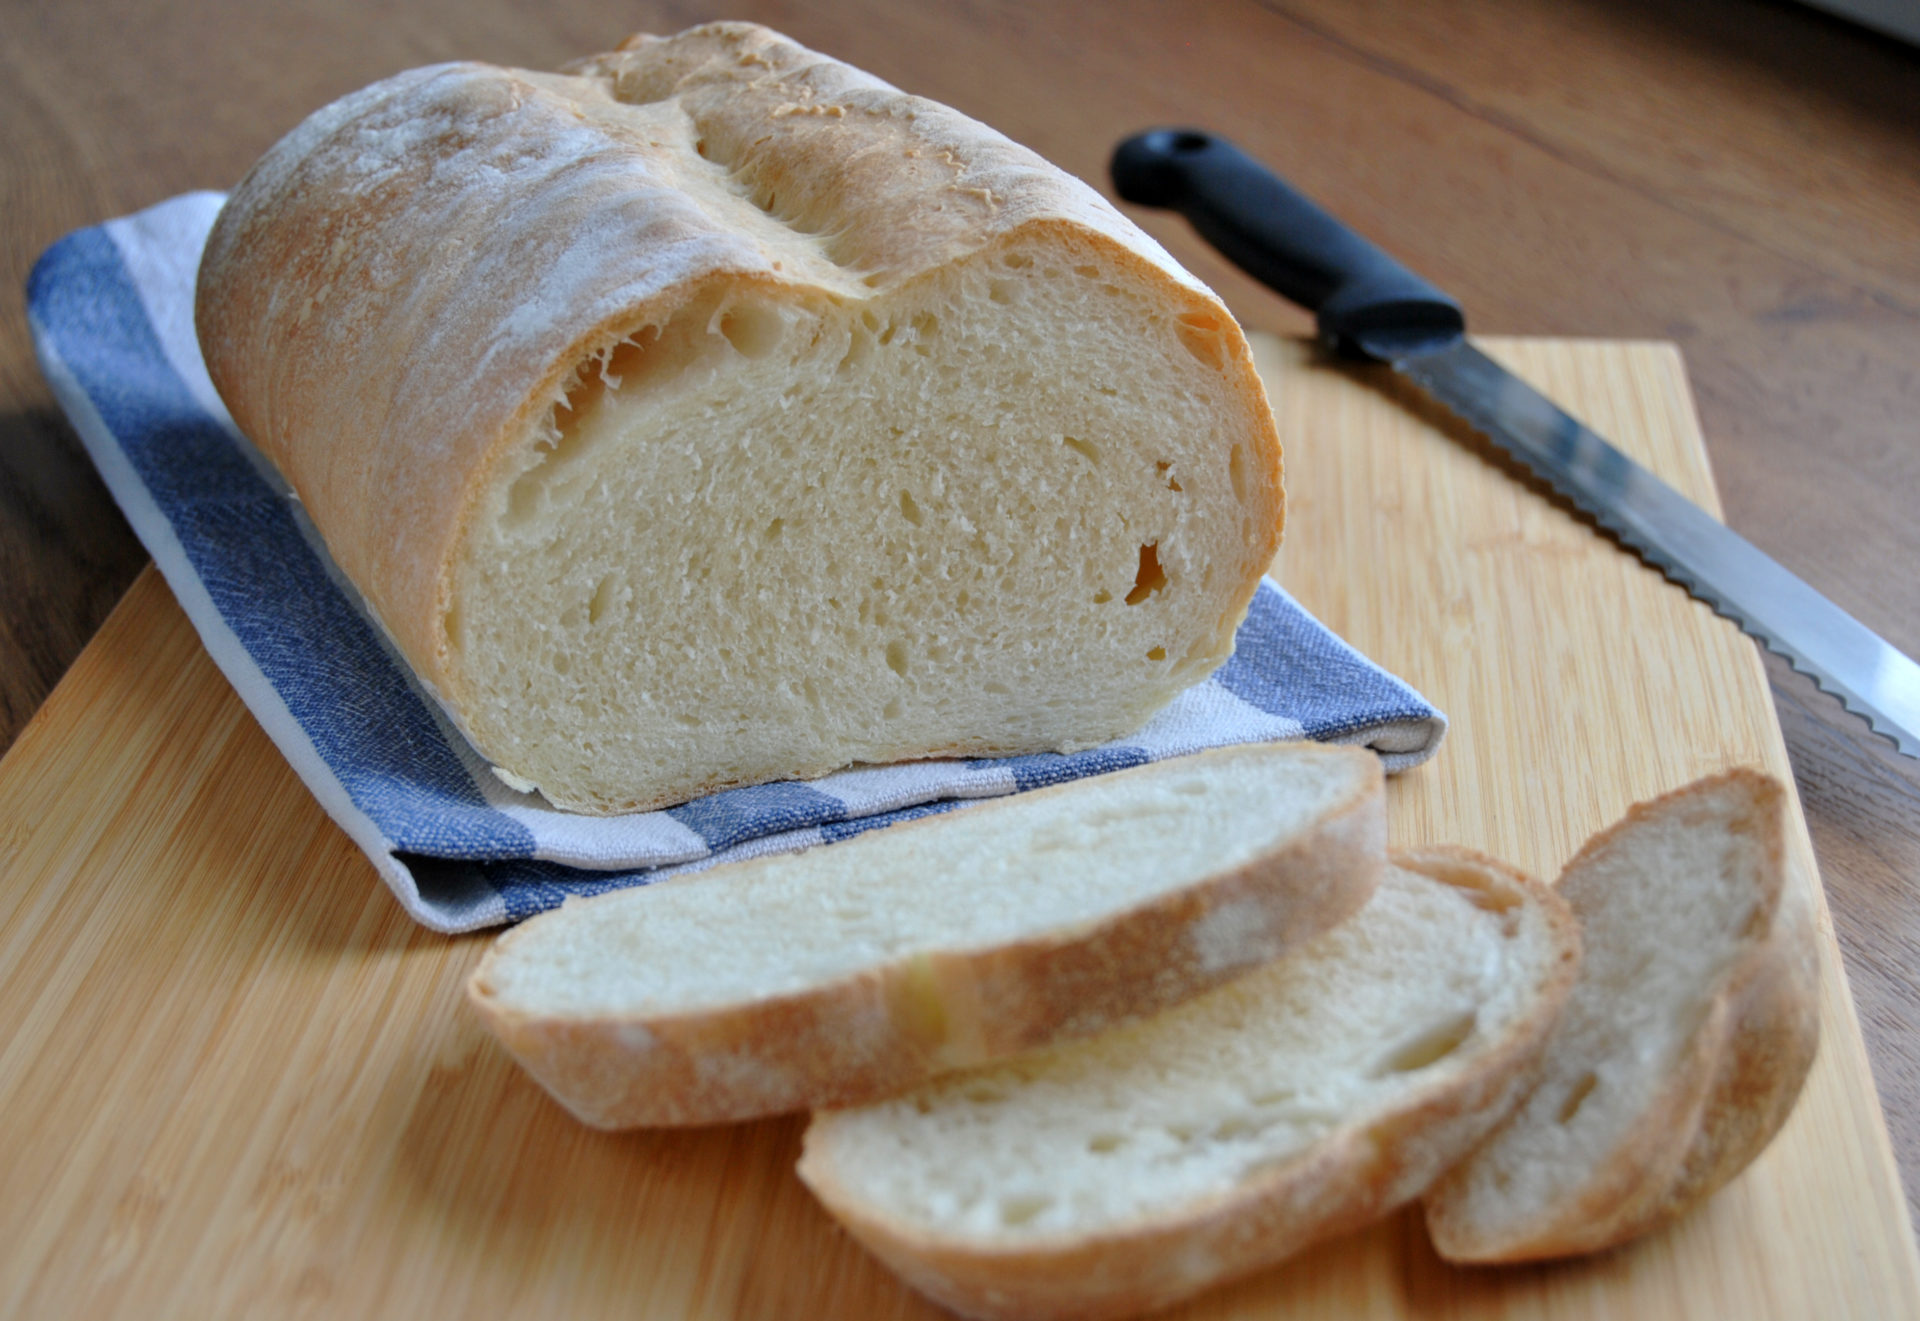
(853, 971)
(1682, 1047)
(717, 413)
(1123, 1173)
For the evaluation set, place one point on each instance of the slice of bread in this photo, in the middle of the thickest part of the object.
(716, 413)
(1123, 1173)
(1682, 1048)
(846, 973)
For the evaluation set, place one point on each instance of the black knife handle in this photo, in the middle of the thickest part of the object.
(1365, 301)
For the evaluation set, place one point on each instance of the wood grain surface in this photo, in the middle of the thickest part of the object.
(239, 1082)
(1739, 176)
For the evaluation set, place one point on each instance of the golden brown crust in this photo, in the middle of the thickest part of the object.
(1349, 1179)
(1730, 1092)
(395, 297)
(877, 1034)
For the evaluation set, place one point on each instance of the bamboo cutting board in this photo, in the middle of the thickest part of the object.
(236, 1081)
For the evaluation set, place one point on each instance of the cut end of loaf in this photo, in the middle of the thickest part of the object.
(1009, 509)
(716, 413)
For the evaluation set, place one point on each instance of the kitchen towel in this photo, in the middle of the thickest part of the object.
(111, 309)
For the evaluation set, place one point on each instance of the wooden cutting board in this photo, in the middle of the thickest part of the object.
(236, 1081)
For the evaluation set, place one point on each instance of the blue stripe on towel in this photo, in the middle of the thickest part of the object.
(239, 534)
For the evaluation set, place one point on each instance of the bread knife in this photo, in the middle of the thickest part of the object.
(1369, 306)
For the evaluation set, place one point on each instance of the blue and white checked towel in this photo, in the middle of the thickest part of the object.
(111, 309)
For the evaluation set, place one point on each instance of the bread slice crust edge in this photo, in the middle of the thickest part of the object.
(878, 1032)
(1726, 1098)
(1342, 1182)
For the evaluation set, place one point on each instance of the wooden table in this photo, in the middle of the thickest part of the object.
(1740, 177)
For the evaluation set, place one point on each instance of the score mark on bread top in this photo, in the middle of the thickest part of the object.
(716, 413)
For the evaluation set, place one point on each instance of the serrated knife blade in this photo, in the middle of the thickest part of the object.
(1869, 676)
(1370, 306)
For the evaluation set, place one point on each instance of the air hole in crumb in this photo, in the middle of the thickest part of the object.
(926, 325)
(700, 148)
(523, 501)
(563, 440)
(1431, 1046)
(1091, 272)
(775, 528)
(1577, 1097)
(1015, 1211)
(1102, 1143)
(1084, 448)
(1016, 261)
(629, 355)
(1236, 1126)
(583, 394)
(996, 688)
(1151, 577)
(1237, 473)
(1000, 291)
(602, 599)
(753, 331)
(908, 509)
(1200, 336)
(858, 347)
(891, 710)
(1164, 468)
(1102, 596)
(897, 658)
(873, 281)
(1158, 653)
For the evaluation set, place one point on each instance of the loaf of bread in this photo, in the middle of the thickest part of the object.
(1119, 1174)
(715, 413)
(1683, 1045)
(847, 973)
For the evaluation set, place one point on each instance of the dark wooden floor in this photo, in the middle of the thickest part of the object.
(1740, 176)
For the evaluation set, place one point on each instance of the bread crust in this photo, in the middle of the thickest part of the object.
(878, 1033)
(396, 297)
(1349, 1179)
(1731, 1091)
